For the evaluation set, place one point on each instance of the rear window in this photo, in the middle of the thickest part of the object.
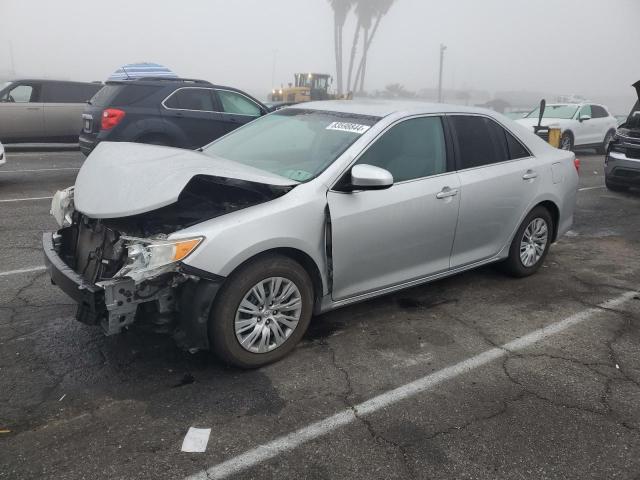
(117, 95)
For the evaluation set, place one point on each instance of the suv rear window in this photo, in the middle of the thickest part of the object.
(119, 95)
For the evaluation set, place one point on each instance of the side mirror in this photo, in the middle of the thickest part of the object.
(584, 118)
(368, 177)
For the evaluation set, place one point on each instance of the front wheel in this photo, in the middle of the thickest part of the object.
(531, 243)
(261, 312)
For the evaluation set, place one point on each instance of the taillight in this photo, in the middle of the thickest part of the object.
(576, 163)
(111, 117)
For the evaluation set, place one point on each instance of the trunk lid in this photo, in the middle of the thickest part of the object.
(124, 179)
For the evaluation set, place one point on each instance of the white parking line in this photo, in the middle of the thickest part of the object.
(22, 270)
(591, 188)
(8, 200)
(40, 170)
(288, 442)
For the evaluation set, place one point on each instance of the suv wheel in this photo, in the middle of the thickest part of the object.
(531, 243)
(566, 141)
(261, 312)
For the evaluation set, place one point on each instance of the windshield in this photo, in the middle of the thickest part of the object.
(555, 111)
(293, 143)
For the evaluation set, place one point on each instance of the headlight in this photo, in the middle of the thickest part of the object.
(62, 206)
(147, 258)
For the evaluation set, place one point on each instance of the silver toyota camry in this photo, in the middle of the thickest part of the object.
(233, 248)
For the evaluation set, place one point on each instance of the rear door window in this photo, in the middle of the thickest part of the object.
(55, 92)
(598, 112)
(233, 102)
(198, 99)
(479, 140)
(516, 149)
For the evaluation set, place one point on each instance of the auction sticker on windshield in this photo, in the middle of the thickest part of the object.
(349, 127)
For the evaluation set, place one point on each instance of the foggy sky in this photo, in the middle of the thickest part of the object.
(583, 47)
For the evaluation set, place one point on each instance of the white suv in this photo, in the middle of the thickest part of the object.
(584, 125)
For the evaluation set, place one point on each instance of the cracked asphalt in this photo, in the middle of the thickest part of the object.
(78, 405)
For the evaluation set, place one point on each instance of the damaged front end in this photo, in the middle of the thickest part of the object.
(129, 269)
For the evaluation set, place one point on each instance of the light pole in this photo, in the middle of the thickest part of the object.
(273, 69)
(442, 49)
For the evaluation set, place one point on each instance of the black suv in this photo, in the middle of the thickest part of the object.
(175, 112)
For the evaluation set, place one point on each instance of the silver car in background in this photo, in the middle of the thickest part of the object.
(34, 110)
(310, 208)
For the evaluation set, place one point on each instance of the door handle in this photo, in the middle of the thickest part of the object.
(530, 175)
(33, 108)
(447, 192)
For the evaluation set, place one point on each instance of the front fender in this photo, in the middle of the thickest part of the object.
(292, 221)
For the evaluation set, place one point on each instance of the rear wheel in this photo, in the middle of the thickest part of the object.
(566, 141)
(531, 243)
(602, 149)
(262, 312)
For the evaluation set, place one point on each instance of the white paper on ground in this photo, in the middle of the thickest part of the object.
(196, 440)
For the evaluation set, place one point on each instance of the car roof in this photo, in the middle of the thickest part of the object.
(49, 80)
(174, 82)
(383, 108)
(573, 104)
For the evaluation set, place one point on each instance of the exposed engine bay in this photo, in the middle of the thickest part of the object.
(130, 266)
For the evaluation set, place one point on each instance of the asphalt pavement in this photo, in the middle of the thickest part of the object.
(478, 376)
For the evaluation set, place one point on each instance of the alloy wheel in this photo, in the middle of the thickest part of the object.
(268, 314)
(566, 143)
(534, 242)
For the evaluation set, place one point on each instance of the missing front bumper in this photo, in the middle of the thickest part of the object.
(181, 300)
(114, 303)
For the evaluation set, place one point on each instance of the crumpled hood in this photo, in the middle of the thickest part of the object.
(122, 179)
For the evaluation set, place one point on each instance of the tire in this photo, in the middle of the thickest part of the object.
(566, 141)
(613, 187)
(238, 288)
(605, 143)
(514, 264)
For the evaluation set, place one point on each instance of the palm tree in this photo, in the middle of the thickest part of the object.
(341, 9)
(362, 11)
(377, 8)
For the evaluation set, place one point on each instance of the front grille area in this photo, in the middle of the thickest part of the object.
(633, 152)
(92, 250)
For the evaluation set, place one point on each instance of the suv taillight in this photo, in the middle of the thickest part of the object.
(111, 117)
(576, 163)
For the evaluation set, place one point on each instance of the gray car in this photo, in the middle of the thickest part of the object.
(34, 110)
(310, 208)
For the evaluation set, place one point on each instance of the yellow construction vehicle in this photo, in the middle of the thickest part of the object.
(307, 87)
